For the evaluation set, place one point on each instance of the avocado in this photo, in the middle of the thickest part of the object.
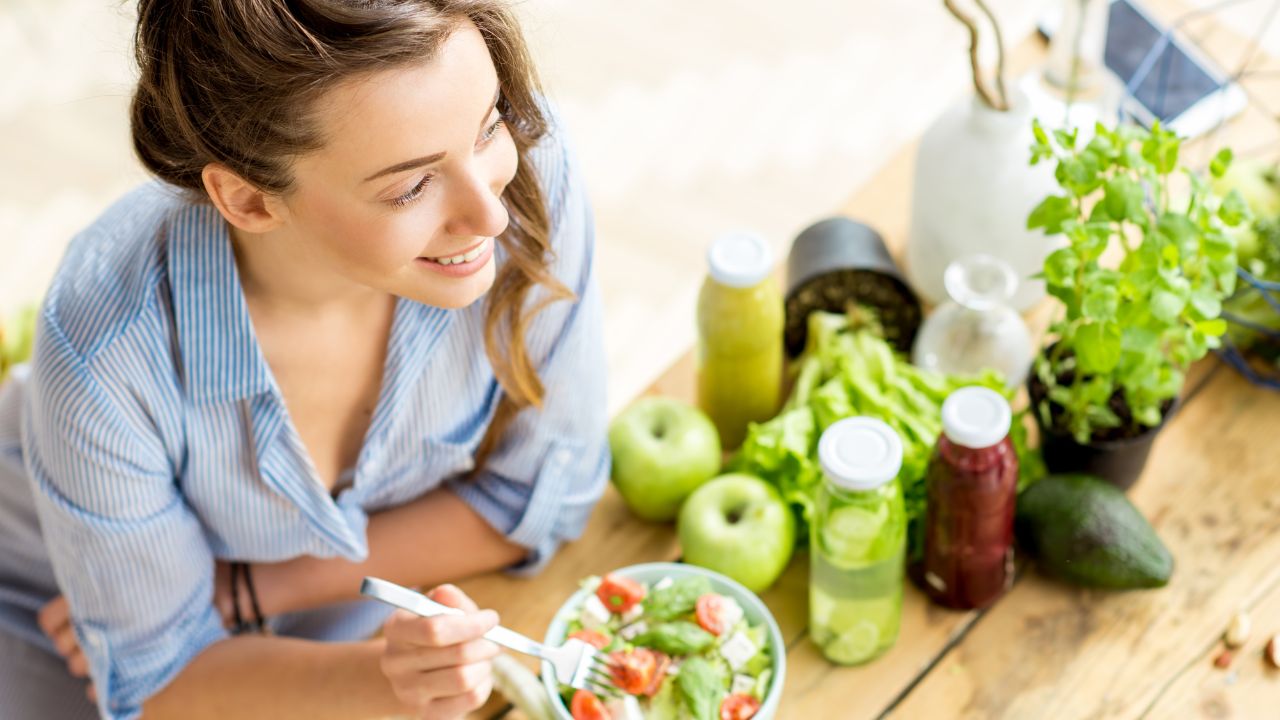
(1085, 531)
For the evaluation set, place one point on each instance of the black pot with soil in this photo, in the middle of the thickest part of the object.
(837, 263)
(1117, 454)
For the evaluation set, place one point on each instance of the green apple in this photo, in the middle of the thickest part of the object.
(738, 525)
(663, 449)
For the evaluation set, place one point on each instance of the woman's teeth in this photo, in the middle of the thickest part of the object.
(464, 258)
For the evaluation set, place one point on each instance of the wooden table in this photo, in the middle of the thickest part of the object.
(1045, 650)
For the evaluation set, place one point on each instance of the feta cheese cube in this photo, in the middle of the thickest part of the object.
(594, 614)
(742, 685)
(674, 668)
(738, 650)
(633, 614)
(633, 630)
(733, 612)
(664, 583)
(626, 707)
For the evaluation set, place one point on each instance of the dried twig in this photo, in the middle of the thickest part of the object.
(978, 86)
(995, 26)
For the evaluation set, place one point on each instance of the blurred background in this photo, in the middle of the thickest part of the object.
(690, 119)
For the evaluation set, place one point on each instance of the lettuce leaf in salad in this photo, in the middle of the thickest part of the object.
(676, 638)
(668, 704)
(677, 599)
(702, 684)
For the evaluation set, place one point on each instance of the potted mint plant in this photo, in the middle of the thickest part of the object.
(1141, 279)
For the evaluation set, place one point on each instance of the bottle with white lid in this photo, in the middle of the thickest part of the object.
(971, 491)
(858, 537)
(739, 336)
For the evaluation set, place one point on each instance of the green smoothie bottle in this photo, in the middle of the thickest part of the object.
(739, 337)
(857, 542)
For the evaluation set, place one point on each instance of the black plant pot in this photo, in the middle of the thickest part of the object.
(1119, 462)
(839, 261)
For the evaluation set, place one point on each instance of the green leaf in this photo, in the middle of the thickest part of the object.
(1234, 210)
(1124, 198)
(1161, 149)
(1051, 213)
(1060, 267)
(675, 638)
(1101, 300)
(1080, 175)
(1166, 305)
(1212, 328)
(1206, 303)
(1218, 166)
(1097, 347)
(702, 684)
(1037, 130)
(1066, 139)
(679, 598)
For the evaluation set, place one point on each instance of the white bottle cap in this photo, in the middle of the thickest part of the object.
(740, 259)
(976, 417)
(860, 453)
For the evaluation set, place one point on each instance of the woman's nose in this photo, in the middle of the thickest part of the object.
(476, 209)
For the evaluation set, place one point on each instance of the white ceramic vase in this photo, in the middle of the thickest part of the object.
(974, 188)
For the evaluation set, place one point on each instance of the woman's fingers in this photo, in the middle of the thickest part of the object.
(459, 705)
(78, 664)
(456, 680)
(405, 629)
(55, 614)
(423, 659)
(453, 597)
(65, 642)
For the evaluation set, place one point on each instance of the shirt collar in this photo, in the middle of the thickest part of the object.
(221, 357)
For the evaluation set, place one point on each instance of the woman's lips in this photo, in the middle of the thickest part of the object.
(473, 260)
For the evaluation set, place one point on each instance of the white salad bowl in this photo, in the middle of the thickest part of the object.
(755, 611)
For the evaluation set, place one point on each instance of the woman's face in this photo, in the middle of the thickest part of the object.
(405, 195)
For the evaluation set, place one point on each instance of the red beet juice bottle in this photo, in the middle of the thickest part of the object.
(971, 489)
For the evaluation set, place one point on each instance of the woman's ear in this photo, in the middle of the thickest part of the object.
(243, 205)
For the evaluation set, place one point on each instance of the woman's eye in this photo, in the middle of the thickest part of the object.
(413, 194)
(491, 131)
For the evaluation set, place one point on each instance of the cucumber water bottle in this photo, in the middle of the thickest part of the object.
(858, 542)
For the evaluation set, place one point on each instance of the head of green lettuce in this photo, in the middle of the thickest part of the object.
(848, 369)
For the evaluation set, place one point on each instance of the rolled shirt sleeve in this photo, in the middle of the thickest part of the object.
(128, 553)
(552, 465)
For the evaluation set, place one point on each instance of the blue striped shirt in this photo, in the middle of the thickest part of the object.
(155, 439)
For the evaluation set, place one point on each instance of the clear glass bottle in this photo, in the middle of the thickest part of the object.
(740, 318)
(977, 329)
(971, 490)
(858, 542)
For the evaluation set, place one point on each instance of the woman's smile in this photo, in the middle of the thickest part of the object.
(466, 263)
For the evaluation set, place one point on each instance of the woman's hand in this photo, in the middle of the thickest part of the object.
(440, 668)
(55, 620)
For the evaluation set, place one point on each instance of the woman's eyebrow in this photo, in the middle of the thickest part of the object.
(428, 159)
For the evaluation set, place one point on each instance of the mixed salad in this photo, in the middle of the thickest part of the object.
(680, 651)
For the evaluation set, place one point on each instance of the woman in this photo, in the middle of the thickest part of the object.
(271, 373)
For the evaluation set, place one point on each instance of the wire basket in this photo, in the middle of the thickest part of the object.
(1260, 366)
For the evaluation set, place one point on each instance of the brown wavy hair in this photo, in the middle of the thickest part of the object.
(234, 82)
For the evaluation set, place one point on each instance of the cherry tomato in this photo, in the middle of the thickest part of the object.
(619, 594)
(735, 707)
(586, 706)
(633, 671)
(712, 611)
(594, 638)
(663, 663)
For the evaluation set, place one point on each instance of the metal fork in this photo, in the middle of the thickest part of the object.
(576, 664)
